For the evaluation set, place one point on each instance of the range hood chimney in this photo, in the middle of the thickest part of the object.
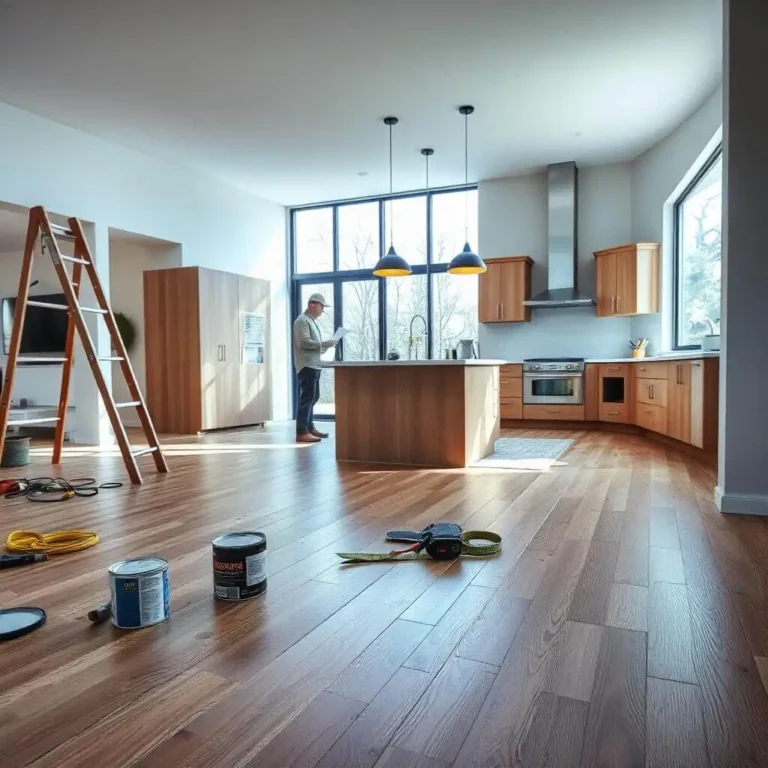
(561, 269)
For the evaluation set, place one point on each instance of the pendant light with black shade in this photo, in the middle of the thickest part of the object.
(467, 262)
(391, 265)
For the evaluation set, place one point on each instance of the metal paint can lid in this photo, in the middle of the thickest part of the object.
(139, 566)
(244, 539)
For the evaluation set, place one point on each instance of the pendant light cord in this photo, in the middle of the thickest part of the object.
(391, 202)
(466, 177)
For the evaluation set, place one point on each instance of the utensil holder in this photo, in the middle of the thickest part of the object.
(639, 353)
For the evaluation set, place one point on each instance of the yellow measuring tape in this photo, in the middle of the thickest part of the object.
(53, 543)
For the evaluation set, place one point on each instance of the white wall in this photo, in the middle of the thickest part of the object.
(127, 263)
(219, 226)
(658, 177)
(512, 220)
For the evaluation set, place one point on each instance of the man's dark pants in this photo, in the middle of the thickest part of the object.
(309, 394)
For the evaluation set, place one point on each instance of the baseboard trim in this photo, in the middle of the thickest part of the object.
(741, 504)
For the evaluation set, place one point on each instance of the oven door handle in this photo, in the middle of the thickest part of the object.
(575, 375)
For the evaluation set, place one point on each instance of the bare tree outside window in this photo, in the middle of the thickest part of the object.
(699, 225)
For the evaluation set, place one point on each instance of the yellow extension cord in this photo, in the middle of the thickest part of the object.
(54, 543)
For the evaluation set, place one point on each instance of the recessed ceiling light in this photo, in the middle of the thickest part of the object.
(362, 173)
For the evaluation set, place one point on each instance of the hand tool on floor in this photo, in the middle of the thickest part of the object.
(441, 541)
(11, 561)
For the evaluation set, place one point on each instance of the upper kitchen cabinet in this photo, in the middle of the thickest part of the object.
(628, 280)
(504, 288)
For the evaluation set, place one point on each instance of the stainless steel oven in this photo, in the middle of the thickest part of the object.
(548, 381)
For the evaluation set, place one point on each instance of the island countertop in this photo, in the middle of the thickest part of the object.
(410, 363)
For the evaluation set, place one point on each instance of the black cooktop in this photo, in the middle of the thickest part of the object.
(554, 360)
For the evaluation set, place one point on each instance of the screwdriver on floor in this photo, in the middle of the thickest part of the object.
(11, 561)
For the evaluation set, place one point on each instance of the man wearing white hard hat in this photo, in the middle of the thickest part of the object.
(308, 345)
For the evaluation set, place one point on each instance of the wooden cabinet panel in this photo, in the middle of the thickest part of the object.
(614, 369)
(554, 412)
(652, 417)
(255, 380)
(652, 392)
(628, 280)
(679, 407)
(606, 285)
(511, 387)
(650, 370)
(511, 408)
(512, 371)
(219, 353)
(489, 300)
(697, 403)
(503, 289)
(614, 393)
(592, 392)
(615, 412)
(626, 283)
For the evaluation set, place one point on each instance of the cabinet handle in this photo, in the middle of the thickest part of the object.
(613, 413)
(502, 310)
(643, 368)
(224, 349)
(498, 311)
(613, 303)
(553, 410)
(614, 368)
(695, 365)
(647, 410)
(618, 298)
(218, 352)
(650, 391)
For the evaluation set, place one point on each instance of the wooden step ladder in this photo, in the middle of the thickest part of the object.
(40, 224)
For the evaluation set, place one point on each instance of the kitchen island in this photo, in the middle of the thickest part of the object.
(426, 413)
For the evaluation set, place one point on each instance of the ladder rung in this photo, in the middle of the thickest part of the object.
(74, 259)
(62, 231)
(65, 307)
(133, 404)
(112, 359)
(144, 451)
(33, 360)
(31, 421)
(95, 310)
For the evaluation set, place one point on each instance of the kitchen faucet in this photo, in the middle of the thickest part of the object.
(410, 335)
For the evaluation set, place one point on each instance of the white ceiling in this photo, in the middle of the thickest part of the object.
(285, 98)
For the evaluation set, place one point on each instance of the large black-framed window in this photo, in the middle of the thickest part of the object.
(697, 256)
(334, 247)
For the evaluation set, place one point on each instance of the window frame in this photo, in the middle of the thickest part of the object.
(677, 254)
(337, 276)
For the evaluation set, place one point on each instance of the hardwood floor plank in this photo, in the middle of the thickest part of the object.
(373, 668)
(438, 645)
(675, 726)
(366, 739)
(526, 576)
(133, 731)
(670, 644)
(609, 525)
(572, 672)
(490, 636)
(441, 719)
(663, 528)
(503, 721)
(665, 565)
(304, 741)
(590, 600)
(754, 621)
(628, 607)
(399, 758)
(632, 559)
(762, 668)
(556, 736)
(172, 752)
(616, 726)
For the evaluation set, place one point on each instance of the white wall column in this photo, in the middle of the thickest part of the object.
(743, 479)
(93, 426)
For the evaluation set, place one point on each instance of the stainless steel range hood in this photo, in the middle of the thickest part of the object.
(561, 268)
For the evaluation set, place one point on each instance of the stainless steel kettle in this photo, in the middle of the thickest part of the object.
(466, 349)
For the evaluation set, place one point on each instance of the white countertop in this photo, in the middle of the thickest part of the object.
(672, 356)
(423, 363)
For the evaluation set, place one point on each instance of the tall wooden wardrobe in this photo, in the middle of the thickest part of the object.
(196, 372)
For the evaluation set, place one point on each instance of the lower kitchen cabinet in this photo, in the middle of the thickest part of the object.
(679, 401)
(511, 408)
(511, 391)
(651, 417)
(554, 412)
(614, 388)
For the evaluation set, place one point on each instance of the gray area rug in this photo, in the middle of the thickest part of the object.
(525, 453)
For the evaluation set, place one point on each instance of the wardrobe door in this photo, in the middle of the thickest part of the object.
(254, 357)
(219, 354)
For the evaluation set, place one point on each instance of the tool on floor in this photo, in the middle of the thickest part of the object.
(48, 489)
(239, 565)
(53, 543)
(441, 541)
(11, 561)
(102, 613)
(141, 592)
(15, 622)
(39, 223)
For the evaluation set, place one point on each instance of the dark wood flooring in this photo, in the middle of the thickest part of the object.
(624, 624)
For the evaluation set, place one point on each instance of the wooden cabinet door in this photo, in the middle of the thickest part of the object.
(679, 401)
(697, 403)
(515, 289)
(219, 354)
(255, 386)
(606, 285)
(626, 282)
(489, 302)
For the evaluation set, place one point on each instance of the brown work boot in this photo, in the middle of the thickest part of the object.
(317, 433)
(307, 437)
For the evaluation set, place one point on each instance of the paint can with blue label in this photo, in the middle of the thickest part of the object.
(141, 594)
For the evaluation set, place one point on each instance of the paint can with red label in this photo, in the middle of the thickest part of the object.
(239, 565)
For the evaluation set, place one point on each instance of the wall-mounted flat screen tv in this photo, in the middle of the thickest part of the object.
(45, 330)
